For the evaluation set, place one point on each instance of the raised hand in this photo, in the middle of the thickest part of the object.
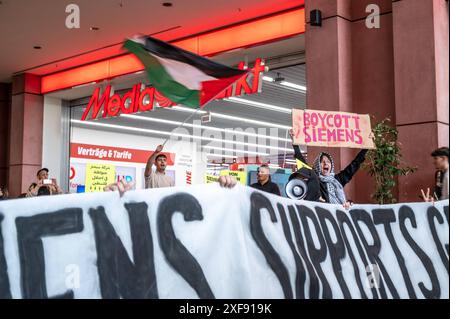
(121, 186)
(291, 133)
(427, 197)
(347, 205)
(227, 181)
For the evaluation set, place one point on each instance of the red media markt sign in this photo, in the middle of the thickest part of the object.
(142, 99)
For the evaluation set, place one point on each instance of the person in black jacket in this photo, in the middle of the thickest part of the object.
(3, 193)
(331, 184)
(264, 183)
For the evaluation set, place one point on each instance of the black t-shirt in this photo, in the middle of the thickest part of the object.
(269, 187)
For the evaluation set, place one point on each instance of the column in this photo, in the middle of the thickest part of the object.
(25, 136)
(5, 102)
(421, 86)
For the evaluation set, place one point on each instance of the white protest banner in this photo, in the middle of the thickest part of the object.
(204, 241)
(331, 129)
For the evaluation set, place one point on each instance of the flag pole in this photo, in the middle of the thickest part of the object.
(204, 105)
(184, 122)
(285, 147)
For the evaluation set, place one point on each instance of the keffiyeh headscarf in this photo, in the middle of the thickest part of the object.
(335, 189)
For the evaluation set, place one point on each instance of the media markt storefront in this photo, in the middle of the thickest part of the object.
(111, 125)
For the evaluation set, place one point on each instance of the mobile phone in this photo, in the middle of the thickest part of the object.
(47, 182)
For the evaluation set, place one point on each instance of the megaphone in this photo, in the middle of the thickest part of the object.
(296, 189)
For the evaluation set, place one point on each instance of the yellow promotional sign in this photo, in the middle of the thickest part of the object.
(241, 177)
(211, 178)
(301, 164)
(98, 176)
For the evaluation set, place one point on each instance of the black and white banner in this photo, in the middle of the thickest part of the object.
(209, 242)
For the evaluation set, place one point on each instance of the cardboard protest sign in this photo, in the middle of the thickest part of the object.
(204, 241)
(331, 129)
(98, 176)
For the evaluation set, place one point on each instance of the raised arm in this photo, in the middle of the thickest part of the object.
(151, 161)
(347, 173)
(297, 152)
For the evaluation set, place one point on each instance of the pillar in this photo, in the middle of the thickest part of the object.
(5, 102)
(421, 87)
(25, 136)
(349, 68)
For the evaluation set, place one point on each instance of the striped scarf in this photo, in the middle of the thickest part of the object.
(335, 190)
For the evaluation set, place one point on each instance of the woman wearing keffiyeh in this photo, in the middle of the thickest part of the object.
(324, 168)
(332, 184)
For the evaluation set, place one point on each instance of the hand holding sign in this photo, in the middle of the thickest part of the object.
(291, 134)
(331, 129)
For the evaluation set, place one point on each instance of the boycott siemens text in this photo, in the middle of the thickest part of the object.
(331, 127)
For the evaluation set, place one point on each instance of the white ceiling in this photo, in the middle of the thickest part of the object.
(26, 23)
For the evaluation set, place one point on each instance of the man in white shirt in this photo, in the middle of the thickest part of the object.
(157, 178)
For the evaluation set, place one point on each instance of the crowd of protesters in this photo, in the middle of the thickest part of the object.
(326, 185)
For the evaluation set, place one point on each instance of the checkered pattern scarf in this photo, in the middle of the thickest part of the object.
(335, 189)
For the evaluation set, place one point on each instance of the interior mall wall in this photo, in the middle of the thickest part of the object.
(5, 103)
(395, 70)
(52, 137)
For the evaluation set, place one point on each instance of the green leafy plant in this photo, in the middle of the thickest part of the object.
(384, 162)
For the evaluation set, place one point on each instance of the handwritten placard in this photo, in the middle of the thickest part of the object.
(98, 176)
(332, 129)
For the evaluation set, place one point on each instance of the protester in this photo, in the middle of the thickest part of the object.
(264, 182)
(157, 178)
(44, 182)
(124, 186)
(440, 161)
(332, 184)
(3, 193)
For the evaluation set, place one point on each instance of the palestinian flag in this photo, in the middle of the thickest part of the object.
(183, 77)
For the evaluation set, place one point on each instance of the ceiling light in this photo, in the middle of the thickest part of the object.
(230, 117)
(267, 78)
(234, 150)
(235, 118)
(159, 132)
(221, 156)
(294, 86)
(212, 128)
(287, 84)
(185, 109)
(260, 105)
